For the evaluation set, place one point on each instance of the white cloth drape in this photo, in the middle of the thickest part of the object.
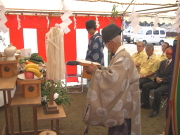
(55, 54)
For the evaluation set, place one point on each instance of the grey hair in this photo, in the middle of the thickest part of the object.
(150, 46)
(143, 44)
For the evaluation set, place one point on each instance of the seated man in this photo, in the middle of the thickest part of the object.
(160, 84)
(163, 55)
(149, 66)
(139, 55)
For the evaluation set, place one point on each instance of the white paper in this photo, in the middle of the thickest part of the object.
(156, 19)
(74, 18)
(97, 22)
(175, 26)
(178, 30)
(47, 21)
(1, 3)
(66, 15)
(4, 29)
(136, 29)
(3, 9)
(3, 19)
(86, 61)
(64, 6)
(135, 22)
(68, 21)
(133, 16)
(66, 30)
(19, 23)
(154, 28)
(178, 21)
(65, 23)
(26, 52)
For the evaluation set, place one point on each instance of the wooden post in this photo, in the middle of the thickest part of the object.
(51, 93)
(51, 106)
(173, 86)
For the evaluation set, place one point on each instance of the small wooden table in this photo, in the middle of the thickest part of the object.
(42, 116)
(7, 85)
(18, 101)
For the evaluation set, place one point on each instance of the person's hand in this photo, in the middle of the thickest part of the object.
(158, 80)
(142, 76)
(90, 69)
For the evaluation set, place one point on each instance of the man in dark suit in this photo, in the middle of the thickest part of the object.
(160, 84)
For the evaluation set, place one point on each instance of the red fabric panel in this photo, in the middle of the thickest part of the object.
(16, 38)
(12, 21)
(70, 51)
(40, 22)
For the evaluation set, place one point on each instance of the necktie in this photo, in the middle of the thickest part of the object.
(167, 63)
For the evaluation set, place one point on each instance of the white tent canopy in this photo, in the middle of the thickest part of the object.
(95, 7)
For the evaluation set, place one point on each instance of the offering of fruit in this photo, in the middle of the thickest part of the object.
(33, 68)
(34, 59)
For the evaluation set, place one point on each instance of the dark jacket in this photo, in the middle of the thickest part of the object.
(163, 73)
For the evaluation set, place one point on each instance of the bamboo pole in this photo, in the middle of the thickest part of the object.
(173, 86)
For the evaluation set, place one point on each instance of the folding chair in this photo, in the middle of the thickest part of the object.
(73, 63)
(162, 102)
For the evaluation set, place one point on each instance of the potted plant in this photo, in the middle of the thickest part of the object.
(60, 96)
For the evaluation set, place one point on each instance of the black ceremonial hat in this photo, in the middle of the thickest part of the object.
(90, 24)
(110, 32)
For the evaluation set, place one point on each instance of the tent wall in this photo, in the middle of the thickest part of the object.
(41, 24)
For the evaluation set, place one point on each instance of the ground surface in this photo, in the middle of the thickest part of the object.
(72, 124)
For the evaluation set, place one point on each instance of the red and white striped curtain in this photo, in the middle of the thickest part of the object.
(40, 23)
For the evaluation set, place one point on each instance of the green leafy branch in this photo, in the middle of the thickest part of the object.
(114, 12)
(59, 88)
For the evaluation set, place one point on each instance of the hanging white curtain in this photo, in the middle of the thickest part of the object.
(55, 54)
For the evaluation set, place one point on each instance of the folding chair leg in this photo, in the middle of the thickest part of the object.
(164, 103)
(76, 92)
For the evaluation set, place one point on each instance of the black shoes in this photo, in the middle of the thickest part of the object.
(154, 113)
(145, 106)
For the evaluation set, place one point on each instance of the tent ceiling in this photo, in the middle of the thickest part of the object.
(162, 8)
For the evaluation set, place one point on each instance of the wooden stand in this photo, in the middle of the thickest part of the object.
(43, 116)
(51, 108)
(30, 88)
(49, 132)
(19, 101)
(84, 74)
(8, 68)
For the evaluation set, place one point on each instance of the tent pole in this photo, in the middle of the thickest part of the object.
(128, 7)
(175, 5)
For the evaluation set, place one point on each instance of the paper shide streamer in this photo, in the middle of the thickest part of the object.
(134, 21)
(19, 23)
(74, 18)
(156, 21)
(3, 18)
(65, 18)
(97, 22)
(47, 21)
